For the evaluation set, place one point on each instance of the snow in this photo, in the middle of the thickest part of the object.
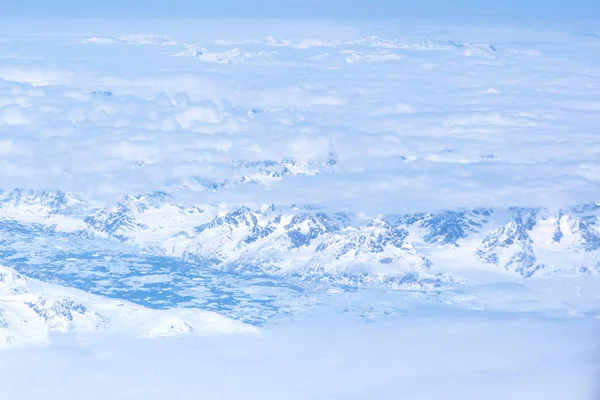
(138, 38)
(31, 310)
(230, 56)
(520, 242)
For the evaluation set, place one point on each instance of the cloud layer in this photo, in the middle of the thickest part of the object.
(376, 124)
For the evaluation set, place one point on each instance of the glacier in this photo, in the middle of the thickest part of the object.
(257, 264)
(301, 239)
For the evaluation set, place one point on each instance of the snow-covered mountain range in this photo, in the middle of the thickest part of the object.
(31, 310)
(395, 250)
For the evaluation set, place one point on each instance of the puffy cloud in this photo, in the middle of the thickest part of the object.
(424, 132)
(206, 112)
(13, 115)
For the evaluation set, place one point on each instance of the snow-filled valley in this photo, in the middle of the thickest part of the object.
(309, 210)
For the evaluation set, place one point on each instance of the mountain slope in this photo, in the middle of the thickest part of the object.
(314, 244)
(31, 310)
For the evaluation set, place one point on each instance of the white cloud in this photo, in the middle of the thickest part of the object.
(397, 356)
(13, 115)
(206, 112)
(156, 123)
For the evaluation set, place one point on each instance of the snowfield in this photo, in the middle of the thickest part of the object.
(30, 311)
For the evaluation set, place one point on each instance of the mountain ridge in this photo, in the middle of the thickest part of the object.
(521, 242)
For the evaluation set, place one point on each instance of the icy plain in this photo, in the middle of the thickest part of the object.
(311, 210)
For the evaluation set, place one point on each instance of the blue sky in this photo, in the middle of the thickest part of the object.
(304, 8)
